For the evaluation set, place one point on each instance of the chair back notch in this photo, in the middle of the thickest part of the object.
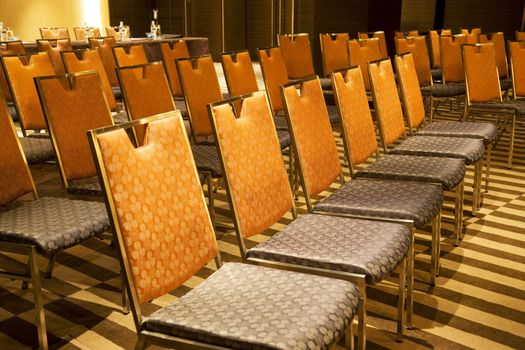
(417, 45)
(53, 47)
(481, 73)
(129, 55)
(170, 52)
(410, 91)
(9, 48)
(297, 55)
(361, 52)
(382, 41)
(333, 51)
(275, 75)
(451, 60)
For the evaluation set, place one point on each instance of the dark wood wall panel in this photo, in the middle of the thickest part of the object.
(258, 24)
(135, 13)
(171, 16)
(417, 14)
(205, 21)
(490, 15)
(235, 24)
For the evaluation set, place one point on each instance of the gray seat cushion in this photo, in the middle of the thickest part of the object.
(117, 92)
(120, 117)
(326, 83)
(89, 187)
(448, 172)
(437, 74)
(243, 306)
(37, 149)
(517, 106)
(207, 159)
(419, 202)
(333, 114)
(180, 104)
(53, 224)
(488, 132)
(471, 150)
(444, 90)
(372, 248)
(280, 121)
(284, 138)
(505, 84)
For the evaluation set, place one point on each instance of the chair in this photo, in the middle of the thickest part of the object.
(54, 33)
(80, 32)
(297, 55)
(361, 52)
(333, 51)
(434, 36)
(517, 68)
(520, 35)
(43, 226)
(484, 91)
(415, 116)
(129, 56)
(392, 128)
(382, 40)
(170, 52)
(90, 61)
(498, 40)
(451, 61)
(405, 34)
(183, 242)
(472, 34)
(338, 250)
(20, 73)
(73, 104)
(114, 32)
(9, 48)
(104, 48)
(53, 48)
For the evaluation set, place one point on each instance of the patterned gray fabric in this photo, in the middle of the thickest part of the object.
(505, 84)
(280, 121)
(372, 248)
(415, 201)
(243, 306)
(333, 114)
(37, 150)
(444, 90)
(284, 138)
(446, 171)
(471, 150)
(120, 117)
(88, 187)
(437, 74)
(117, 92)
(488, 132)
(12, 111)
(518, 106)
(180, 104)
(326, 83)
(207, 159)
(53, 224)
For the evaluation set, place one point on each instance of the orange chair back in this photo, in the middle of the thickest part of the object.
(297, 55)
(517, 64)
(90, 61)
(382, 41)
(333, 52)
(104, 48)
(53, 48)
(312, 135)
(15, 178)
(418, 47)
(358, 127)
(114, 32)
(9, 48)
(435, 46)
(520, 36)
(146, 92)
(275, 75)
(135, 55)
(472, 35)
(451, 60)
(409, 85)
(481, 73)
(498, 40)
(170, 52)
(250, 152)
(80, 32)
(361, 52)
(239, 75)
(73, 104)
(386, 101)
(170, 240)
(201, 86)
(54, 33)
(20, 77)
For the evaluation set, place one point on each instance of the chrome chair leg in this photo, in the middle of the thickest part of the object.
(401, 301)
(361, 340)
(39, 305)
(487, 166)
(512, 136)
(434, 250)
(349, 337)
(458, 212)
(50, 266)
(410, 283)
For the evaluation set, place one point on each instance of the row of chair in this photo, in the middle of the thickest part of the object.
(80, 32)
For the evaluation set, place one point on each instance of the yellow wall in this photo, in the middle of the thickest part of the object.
(26, 16)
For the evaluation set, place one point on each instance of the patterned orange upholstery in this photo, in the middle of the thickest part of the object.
(15, 179)
(334, 52)
(114, 32)
(297, 55)
(104, 48)
(80, 32)
(412, 98)
(90, 61)
(520, 35)
(312, 134)
(435, 46)
(382, 41)
(136, 55)
(361, 52)
(472, 35)
(53, 48)
(146, 93)
(481, 73)
(163, 219)
(72, 110)
(54, 33)
(498, 40)
(24, 91)
(257, 179)
(239, 74)
(201, 86)
(418, 47)
(386, 100)
(170, 52)
(275, 75)
(6, 49)
(357, 121)
(451, 60)
(517, 59)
